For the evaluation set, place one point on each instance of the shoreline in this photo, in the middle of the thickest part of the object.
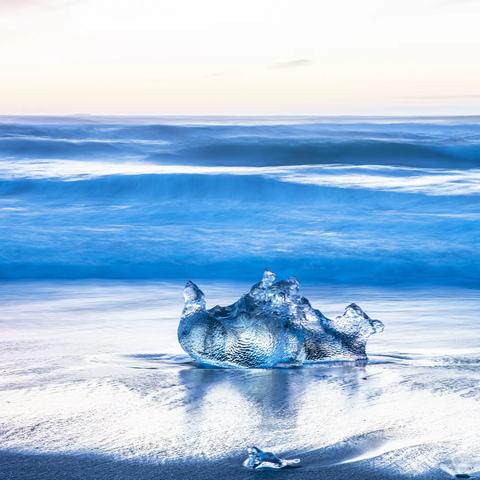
(28, 466)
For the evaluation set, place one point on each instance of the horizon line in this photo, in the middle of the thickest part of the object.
(244, 115)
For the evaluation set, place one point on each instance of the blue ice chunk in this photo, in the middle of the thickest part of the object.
(258, 459)
(271, 325)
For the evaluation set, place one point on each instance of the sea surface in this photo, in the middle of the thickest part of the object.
(104, 219)
(353, 200)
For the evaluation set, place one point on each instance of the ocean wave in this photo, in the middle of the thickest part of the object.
(424, 145)
(298, 152)
(436, 182)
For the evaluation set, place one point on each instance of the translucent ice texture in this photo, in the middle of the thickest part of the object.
(270, 325)
(258, 459)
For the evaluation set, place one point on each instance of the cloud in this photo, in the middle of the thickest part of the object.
(467, 96)
(17, 4)
(449, 3)
(14, 3)
(299, 62)
(214, 74)
(20, 3)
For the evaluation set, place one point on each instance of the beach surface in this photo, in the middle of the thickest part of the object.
(95, 385)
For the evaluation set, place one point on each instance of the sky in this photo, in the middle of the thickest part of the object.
(240, 57)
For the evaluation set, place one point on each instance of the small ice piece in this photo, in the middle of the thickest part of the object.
(270, 325)
(258, 459)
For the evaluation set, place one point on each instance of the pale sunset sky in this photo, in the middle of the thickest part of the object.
(228, 57)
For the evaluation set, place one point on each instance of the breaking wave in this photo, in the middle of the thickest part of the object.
(433, 144)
